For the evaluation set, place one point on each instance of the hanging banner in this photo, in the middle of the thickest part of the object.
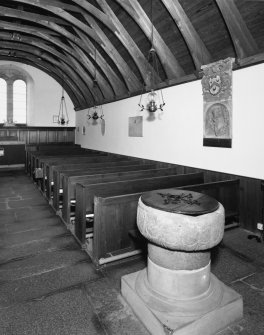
(217, 103)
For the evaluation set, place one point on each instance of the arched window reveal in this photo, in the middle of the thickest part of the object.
(19, 102)
(3, 100)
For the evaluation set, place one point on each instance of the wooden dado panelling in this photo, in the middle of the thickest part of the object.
(39, 134)
(251, 196)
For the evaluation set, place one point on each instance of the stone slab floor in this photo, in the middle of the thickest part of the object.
(49, 286)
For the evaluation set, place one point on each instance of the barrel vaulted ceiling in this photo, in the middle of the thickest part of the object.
(78, 41)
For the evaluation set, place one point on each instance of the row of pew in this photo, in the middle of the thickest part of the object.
(96, 194)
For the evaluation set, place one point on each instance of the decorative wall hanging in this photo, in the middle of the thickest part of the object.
(135, 126)
(217, 103)
(62, 118)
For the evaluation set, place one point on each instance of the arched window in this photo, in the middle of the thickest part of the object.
(19, 101)
(3, 100)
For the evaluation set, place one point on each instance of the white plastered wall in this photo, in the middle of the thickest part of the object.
(178, 136)
(43, 97)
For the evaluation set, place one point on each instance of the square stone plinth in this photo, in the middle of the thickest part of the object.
(228, 311)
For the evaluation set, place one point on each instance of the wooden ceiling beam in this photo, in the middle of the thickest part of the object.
(62, 14)
(118, 87)
(104, 85)
(115, 82)
(197, 48)
(169, 62)
(140, 60)
(50, 25)
(75, 66)
(6, 11)
(83, 89)
(129, 77)
(243, 41)
(43, 34)
(97, 94)
(49, 69)
(109, 19)
(63, 5)
(97, 13)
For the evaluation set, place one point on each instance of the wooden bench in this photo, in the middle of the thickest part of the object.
(82, 170)
(85, 194)
(33, 156)
(33, 148)
(47, 165)
(115, 233)
(93, 161)
(106, 177)
(227, 193)
(36, 157)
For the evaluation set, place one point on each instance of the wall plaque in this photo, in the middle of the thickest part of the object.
(135, 126)
(217, 103)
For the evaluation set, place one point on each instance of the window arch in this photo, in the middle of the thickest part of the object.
(3, 100)
(19, 101)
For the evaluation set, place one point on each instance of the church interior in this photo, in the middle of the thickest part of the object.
(131, 173)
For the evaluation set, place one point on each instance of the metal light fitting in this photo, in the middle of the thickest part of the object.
(155, 99)
(63, 118)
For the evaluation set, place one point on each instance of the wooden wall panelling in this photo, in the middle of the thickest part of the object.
(42, 136)
(22, 135)
(70, 136)
(3, 132)
(61, 135)
(13, 132)
(33, 138)
(250, 203)
(52, 136)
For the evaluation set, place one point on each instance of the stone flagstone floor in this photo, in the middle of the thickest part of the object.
(48, 286)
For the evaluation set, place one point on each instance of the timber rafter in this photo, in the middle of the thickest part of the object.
(62, 37)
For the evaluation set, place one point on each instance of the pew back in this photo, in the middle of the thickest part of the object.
(85, 193)
(60, 178)
(115, 219)
(109, 177)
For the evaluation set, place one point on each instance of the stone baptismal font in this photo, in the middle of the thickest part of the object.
(177, 293)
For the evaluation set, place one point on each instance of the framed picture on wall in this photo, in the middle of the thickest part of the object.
(135, 126)
(55, 119)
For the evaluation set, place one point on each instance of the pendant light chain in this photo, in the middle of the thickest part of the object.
(155, 98)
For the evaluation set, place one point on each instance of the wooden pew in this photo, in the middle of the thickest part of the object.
(47, 165)
(33, 148)
(106, 177)
(115, 233)
(53, 152)
(227, 193)
(93, 161)
(34, 157)
(85, 194)
(82, 170)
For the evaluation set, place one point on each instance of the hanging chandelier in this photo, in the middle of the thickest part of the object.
(155, 99)
(96, 112)
(62, 118)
